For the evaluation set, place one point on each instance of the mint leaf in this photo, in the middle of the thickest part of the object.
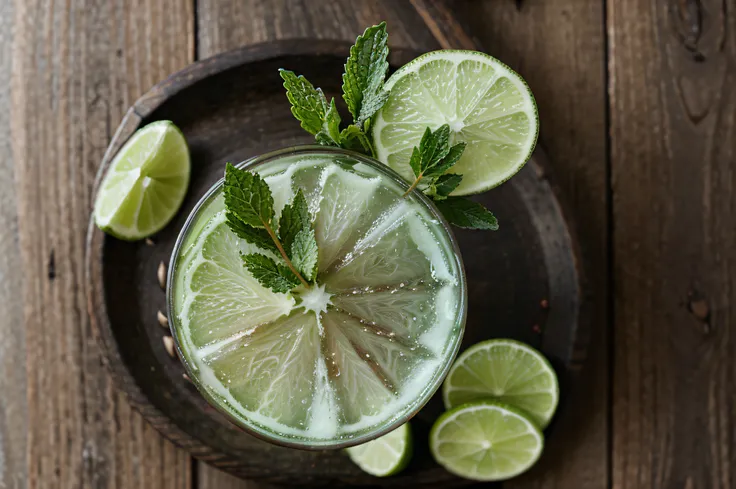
(329, 135)
(304, 253)
(256, 236)
(445, 184)
(269, 274)
(248, 197)
(308, 104)
(452, 157)
(465, 213)
(434, 146)
(353, 138)
(365, 71)
(433, 156)
(294, 218)
(370, 107)
(415, 161)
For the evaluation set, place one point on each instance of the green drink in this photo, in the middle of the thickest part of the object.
(354, 355)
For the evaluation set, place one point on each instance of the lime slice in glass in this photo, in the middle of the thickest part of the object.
(384, 456)
(485, 441)
(354, 354)
(485, 103)
(507, 371)
(145, 183)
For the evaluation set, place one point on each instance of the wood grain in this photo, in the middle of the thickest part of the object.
(13, 405)
(673, 157)
(212, 478)
(227, 25)
(77, 65)
(558, 47)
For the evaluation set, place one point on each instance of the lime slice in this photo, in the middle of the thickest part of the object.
(384, 456)
(485, 441)
(145, 183)
(333, 363)
(508, 371)
(485, 103)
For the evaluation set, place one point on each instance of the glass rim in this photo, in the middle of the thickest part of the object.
(270, 435)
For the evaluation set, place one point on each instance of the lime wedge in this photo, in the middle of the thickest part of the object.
(332, 363)
(384, 456)
(507, 371)
(485, 103)
(485, 441)
(145, 183)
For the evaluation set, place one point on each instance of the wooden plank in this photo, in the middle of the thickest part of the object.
(209, 477)
(13, 406)
(558, 47)
(227, 25)
(673, 160)
(77, 65)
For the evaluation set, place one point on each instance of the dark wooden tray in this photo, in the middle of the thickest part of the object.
(231, 107)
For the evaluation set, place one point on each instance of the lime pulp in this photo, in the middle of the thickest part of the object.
(351, 356)
(485, 441)
(384, 456)
(145, 183)
(508, 371)
(485, 103)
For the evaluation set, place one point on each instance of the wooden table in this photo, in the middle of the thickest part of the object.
(638, 114)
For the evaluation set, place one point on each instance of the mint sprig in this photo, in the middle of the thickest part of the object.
(464, 213)
(250, 215)
(304, 253)
(355, 139)
(433, 157)
(445, 184)
(365, 72)
(308, 104)
(430, 161)
(275, 276)
(362, 86)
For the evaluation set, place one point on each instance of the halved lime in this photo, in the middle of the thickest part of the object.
(507, 371)
(333, 364)
(145, 183)
(485, 441)
(384, 456)
(485, 102)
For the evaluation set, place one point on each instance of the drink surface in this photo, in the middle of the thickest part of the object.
(352, 356)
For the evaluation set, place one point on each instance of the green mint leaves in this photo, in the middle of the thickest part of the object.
(430, 161)
(275, 276)
(445, 184)
(250, 215)
(247, 198)
(362, 90)
(465, 213)
(304, 253)
(362, 86)
(365, 72)
(297, 236)
(308, 104)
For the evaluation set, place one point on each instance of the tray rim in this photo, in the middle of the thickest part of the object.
(193, 74)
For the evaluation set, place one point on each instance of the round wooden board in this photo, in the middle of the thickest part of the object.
(231, 107)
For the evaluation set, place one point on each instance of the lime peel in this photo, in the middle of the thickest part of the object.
(385, 456)
(145, 183)
(485, 441)
(493, 110)
(508, 371)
